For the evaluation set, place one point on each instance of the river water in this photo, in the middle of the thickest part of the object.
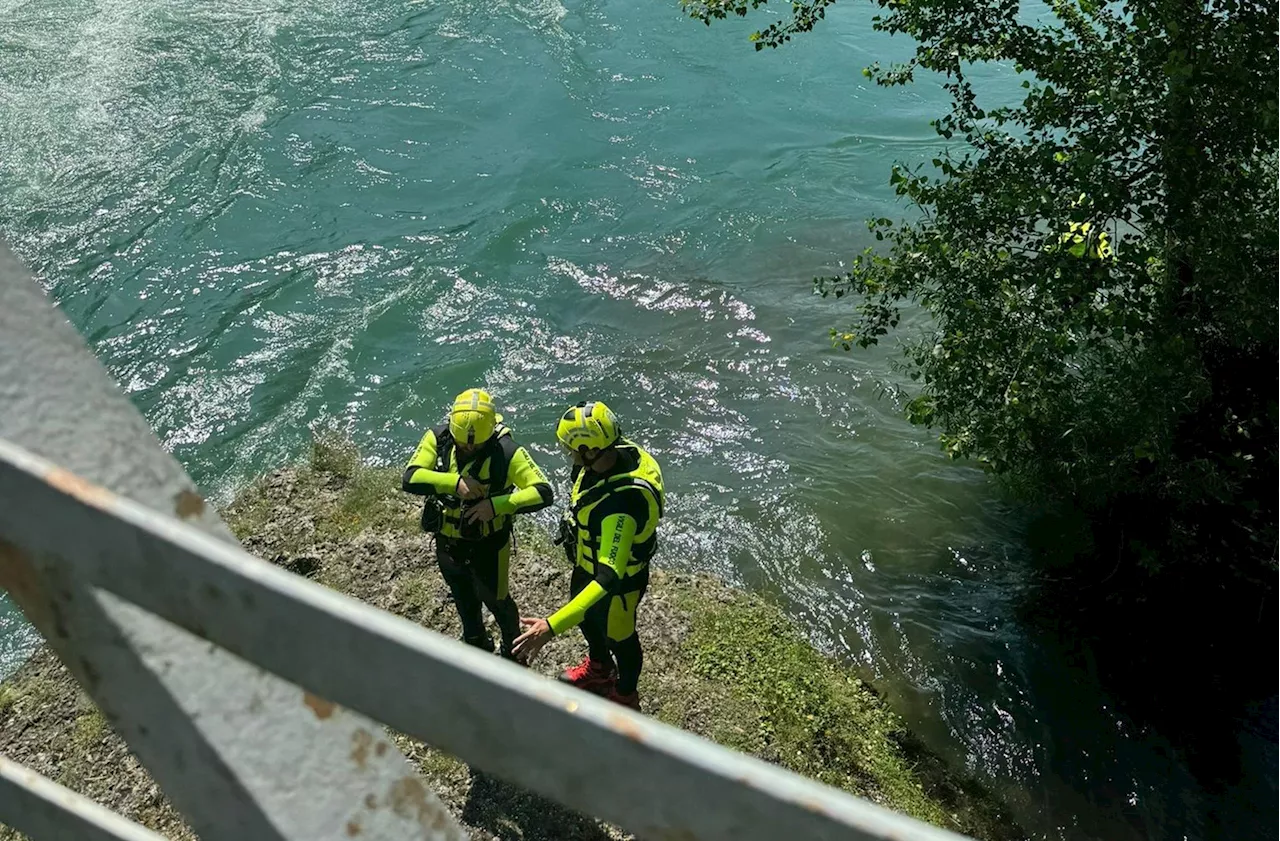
(268, 215)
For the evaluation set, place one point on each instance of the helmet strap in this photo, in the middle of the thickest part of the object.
(600, 454)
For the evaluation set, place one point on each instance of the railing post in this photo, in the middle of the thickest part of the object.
(241, 753)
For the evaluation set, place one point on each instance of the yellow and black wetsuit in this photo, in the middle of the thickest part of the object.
(612, 527)
(474, 559)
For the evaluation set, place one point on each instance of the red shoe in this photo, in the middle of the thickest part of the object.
(590, 676)
(632, 700)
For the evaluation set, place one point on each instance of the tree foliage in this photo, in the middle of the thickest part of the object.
(1099, 260)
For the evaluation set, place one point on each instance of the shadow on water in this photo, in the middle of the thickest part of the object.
(512, 813)
(1192, 659)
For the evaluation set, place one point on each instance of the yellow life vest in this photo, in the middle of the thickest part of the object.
(1084, 239)
(489, 467)
(645, 480)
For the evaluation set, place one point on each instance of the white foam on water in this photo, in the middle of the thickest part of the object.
(95, 93)
(63, 91)
(546, 11)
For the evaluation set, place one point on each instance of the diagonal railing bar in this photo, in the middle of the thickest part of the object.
(41, 808)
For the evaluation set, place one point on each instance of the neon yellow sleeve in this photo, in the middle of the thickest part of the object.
(421, 475)
(617, 533)
(533, 491)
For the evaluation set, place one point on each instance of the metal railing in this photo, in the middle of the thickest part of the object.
(270, 732)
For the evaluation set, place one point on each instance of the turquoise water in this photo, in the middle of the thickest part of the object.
(267, 217)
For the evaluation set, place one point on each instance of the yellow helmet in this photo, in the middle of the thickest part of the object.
(473, 418)
(590, 425)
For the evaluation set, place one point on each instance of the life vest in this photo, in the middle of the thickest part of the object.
(1084, 239)
(583, 517)
(488, 466)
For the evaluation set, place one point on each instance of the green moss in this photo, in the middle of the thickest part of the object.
(88, 730)
(370, 499)
(249, 511)
(437, 766)
(790, 704)
(708, 708)
(8, 697)
(756, 685)
(360, 499)
(33, 691)
(80, 748)
(332, 452)
(415, 593)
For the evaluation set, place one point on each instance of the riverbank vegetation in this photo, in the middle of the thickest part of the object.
(1098, 260)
